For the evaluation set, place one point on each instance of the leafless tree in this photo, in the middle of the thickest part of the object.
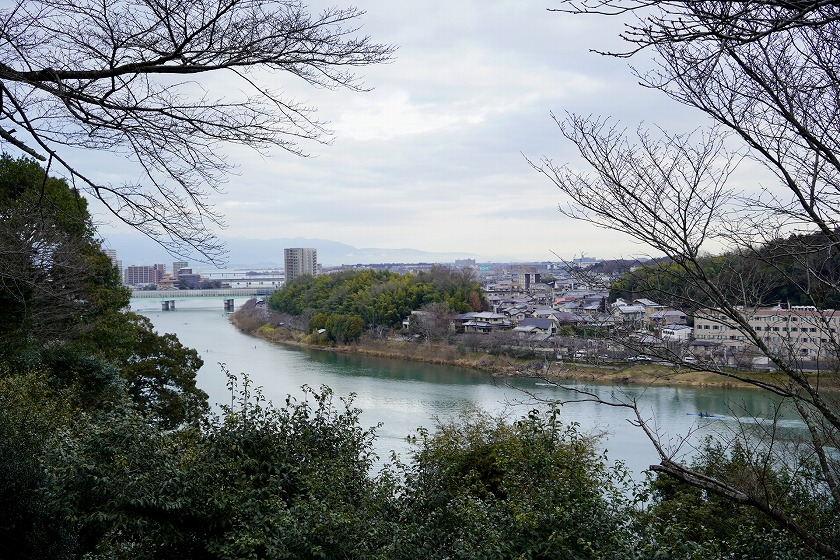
(112, 76)
(766, 72)
(658, 22)
(433, 321)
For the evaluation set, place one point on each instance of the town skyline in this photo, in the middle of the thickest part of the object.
(269, 252)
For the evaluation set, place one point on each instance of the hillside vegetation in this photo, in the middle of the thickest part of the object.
(349, 302)
(781, 271)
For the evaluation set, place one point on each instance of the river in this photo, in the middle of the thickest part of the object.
(403, 395)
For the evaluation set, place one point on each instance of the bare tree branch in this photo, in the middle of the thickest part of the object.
(103, 76)
(766, 72)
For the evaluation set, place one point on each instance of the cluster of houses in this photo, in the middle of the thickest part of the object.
(539, 312)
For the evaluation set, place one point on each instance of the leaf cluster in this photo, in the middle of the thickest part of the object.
(258, 482)
(686, 522)
(482, 487)
(64, 306)
(54, 279)
(297, 481)
(377, 297)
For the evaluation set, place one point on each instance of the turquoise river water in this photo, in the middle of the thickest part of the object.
(403, 395)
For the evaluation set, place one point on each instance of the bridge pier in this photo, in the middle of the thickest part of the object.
(229, 305)
(167, 305)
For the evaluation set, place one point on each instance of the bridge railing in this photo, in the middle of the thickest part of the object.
(221, 292)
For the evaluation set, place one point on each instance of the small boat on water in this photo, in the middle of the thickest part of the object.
(703, 415)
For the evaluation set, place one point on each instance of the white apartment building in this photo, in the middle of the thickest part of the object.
(299, 261)
(112, 255)
(798, 331)
(676, 333)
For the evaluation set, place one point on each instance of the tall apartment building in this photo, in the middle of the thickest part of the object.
(799, 331)
(299, 261)
(178, 265)
(143, 275)
(112, 255)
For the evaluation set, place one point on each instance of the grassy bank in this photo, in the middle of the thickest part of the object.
(500, 365)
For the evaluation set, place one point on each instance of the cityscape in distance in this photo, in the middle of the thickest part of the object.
(268, 253)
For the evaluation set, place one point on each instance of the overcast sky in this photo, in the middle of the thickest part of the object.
(434, 157)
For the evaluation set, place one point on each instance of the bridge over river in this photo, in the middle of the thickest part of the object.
(212, 293)
(169, 297)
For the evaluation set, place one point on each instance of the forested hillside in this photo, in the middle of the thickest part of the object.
(782, 271)
(348, 302)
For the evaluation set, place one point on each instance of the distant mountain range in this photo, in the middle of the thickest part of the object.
(133, 249)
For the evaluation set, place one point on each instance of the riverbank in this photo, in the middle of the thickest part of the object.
(500, 365)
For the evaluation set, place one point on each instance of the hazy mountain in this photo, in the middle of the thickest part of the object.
(133, 249)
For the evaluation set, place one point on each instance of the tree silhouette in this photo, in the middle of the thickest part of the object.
(112, 76)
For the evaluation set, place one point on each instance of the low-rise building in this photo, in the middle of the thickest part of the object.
(676, 333)
(628, 313)
(482, 322)
(797, 331)
(536, 326)
(650, 308)
(668, 317)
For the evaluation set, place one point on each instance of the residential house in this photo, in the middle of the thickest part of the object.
(651, 307)
(628, 313)
(591, 307)
(515, 313)
(531, 327)
(668, 317)
(544, 326)
(567, 318)
(676, 333)
(482, 322)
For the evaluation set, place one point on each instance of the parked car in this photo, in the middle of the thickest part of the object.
(640, 358)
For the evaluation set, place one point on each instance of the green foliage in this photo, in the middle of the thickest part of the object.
(663, 281)
(259, 482)
(24, 186)
(121, 353)
(317, 322)
(344, 328)
(795, 262)
(159, 371)
(31, 413)
(54, 281)
(481, 487)
(767, 275)
(685, 522)
(339, 328)
(63, 306)
(377, 297)
(568, 330)
(296, 482)
(88, 382)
